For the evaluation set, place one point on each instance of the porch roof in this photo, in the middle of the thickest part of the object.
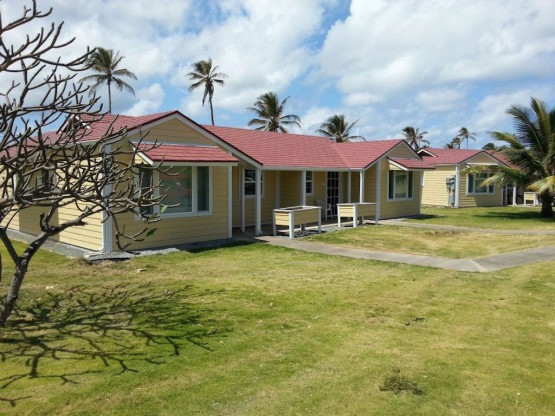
(411, 164)
(285, 150)
(434, 156)
(175, 152)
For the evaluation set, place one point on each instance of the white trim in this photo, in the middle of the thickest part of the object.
(107, 221)
(145, 158)
(398, 165)
(199, 129)
(514, 196)
(303, 187)
(474, 186)
(242, 190)
(421, 181)
(258, 187)
(312, 168)
(349, 187)
(378, 189)
(361, 186)
(457, 185)
(229, 201)
(311, 181)
(278, 189)
(253, 196)
(425, 151)
(409, 191)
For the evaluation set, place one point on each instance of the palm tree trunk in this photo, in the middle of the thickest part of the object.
(109, 98)
(211, 110)
(547, 205)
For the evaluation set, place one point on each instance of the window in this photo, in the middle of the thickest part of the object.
(474, 181)
(400, 184)
(250, 182)
(308, 182)
(145, 182)
(177, 185)
(203, 189)
(186, 190)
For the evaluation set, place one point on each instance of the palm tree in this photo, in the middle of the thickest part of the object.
(338, 129)
(269, 111)
(531, 153)
(455, 143)
(493, 147)
(105, 63)
(204, 74)
(415, 138)
(464, 134)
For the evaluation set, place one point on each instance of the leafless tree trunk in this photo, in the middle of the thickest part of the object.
(50, 170)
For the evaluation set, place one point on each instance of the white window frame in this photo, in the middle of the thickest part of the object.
(253, 181)
(194, 191)
(476, 181)
(410, 191)
(309, 181)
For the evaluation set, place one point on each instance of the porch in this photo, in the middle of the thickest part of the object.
(256, 192)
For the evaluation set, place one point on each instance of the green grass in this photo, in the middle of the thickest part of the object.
(517, 218)
(257, 330)
(441, 243)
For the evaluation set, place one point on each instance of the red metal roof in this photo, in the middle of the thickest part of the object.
(96, 126)
(302, 151)
(449, 156)
(185, 153)
(412, 164)
(502, 157)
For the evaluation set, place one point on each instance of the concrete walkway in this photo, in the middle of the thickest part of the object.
(402, 223)
(478, 264)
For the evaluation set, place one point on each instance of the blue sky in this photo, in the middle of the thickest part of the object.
(436, 65)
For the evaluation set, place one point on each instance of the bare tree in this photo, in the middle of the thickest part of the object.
(47, 171)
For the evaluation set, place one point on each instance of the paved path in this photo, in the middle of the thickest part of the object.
(479, 264)
(402, 223)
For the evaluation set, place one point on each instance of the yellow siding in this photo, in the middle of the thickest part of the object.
(172, 231)
(318, 189)
(481, 158)
(399, 208)
(488, 200)
(174, 131)
(88, 236)
(434, 191)
(290, 189)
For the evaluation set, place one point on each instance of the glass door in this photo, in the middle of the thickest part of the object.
(332, 194)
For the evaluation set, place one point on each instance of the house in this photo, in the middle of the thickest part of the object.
(221, 178)
(449, 185)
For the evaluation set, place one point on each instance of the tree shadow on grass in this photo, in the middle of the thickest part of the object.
(121, 326)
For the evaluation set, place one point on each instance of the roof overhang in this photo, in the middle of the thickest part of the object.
(409, 165)
(178, 154)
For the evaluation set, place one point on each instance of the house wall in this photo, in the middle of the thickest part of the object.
(172, 231)
(173, 131)
(398, 208)
(488, 200)
(434, 191)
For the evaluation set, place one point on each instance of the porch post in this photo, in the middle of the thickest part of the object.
(278, 189)
(229, 202)
(349, 186)
(242, 193)
(378, 167)
(458, 186)
(303, 187)
(514, 195)
(361, 196)
(258, 224)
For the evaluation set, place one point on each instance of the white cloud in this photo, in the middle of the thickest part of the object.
(357, 99)
(149, 100)
(441, 99)
(389, 47)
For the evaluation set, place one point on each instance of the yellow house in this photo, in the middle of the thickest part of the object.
(448, 185)
(223, 178)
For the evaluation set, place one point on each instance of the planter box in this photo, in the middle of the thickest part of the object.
(297, 216)
(356, 210)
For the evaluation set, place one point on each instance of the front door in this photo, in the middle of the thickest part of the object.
(332, 194)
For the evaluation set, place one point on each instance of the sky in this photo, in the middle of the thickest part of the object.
(437, 65)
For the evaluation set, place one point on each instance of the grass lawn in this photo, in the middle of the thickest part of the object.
(441, 243)
(490, 217)
(258, 330)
